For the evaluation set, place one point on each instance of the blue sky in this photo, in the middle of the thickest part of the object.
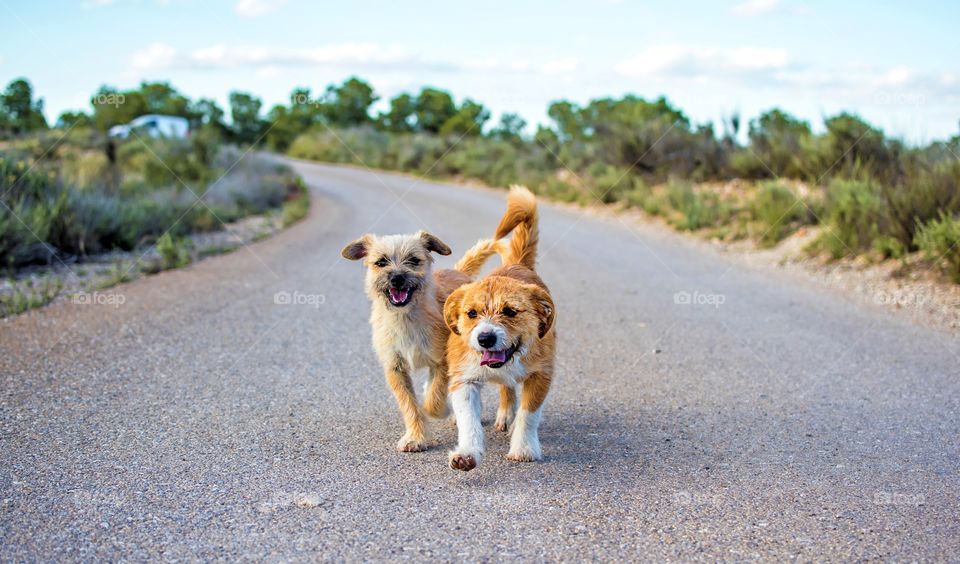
(895, 63)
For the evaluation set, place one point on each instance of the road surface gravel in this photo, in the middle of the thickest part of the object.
(701, 409)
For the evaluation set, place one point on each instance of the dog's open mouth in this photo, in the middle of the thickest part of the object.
(496, 359)
(400, 297)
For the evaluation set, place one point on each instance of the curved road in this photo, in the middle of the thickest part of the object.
(200, 419)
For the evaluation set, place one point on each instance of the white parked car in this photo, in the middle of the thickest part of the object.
(153, 125)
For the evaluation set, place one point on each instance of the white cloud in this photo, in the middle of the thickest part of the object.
(491, 64)
(560, 66)
(692, 62)
(742, 67)
(753, 58)
(256, 8)
(155, 56)
(360, 56)
(159, 56)
(755, 7)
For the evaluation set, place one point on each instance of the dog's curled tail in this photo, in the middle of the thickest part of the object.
(521, 219)
(474, 259)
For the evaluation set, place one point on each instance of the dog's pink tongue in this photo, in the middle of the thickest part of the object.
(492, 357)
(397, 296)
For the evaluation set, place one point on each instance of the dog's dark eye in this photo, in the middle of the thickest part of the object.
(472, 314)
(509, 311)
(381, 262)
(413, 261)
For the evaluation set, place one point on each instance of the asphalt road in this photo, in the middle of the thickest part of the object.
(200, 419)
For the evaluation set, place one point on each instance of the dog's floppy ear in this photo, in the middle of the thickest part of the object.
(433, 243)
(451, 309)
(357, 249)
(543, 304)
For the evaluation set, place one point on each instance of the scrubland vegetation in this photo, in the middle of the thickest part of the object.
(868, 194)
(72, 202)
(72, 192)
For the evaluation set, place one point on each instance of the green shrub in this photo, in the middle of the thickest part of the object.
(940, 242)
(73, 204)
(656, 204)
(744, 163)
(696, 209)
(295, 210)
(87, 170)
(920, 196)
(297, 205)
(638, 195)
(889, 247)
(610, 183)
(118, 274)
(173, 252)
(29, 296)
(854, 213)
(776, 208)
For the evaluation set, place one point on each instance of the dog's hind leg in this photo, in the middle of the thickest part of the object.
(435, 391)
(525, 440)
(398, 378)
(507, 409)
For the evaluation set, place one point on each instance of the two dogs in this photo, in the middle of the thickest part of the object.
(466, 332)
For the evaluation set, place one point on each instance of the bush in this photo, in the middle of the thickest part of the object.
(940, 242)
(558, 189)
(776, 208)
(173, 252)
(31, 201)
(697, 209)
(922, 195)
(611, 184)
(71, 206)
(889, 247)
(854, 215)
(29, 296)
(295, 210)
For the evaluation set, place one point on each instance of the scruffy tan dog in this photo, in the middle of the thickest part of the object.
(501, 331)
(407, 317)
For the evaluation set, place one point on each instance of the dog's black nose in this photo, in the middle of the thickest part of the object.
(397, 280)
(487, 339)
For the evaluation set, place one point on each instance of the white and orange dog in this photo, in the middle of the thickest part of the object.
(406, 315)
(502, 331)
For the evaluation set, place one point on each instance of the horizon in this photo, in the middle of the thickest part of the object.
(908, 87)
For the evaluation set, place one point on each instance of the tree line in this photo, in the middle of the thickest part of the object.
(875, 191)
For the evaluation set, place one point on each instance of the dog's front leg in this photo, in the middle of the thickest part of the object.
(398, 378)
(508, 407)
(466, 407)
(525, 440)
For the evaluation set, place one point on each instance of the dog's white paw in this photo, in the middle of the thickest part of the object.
(525, 452)
(410, 443)
(465, 461)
